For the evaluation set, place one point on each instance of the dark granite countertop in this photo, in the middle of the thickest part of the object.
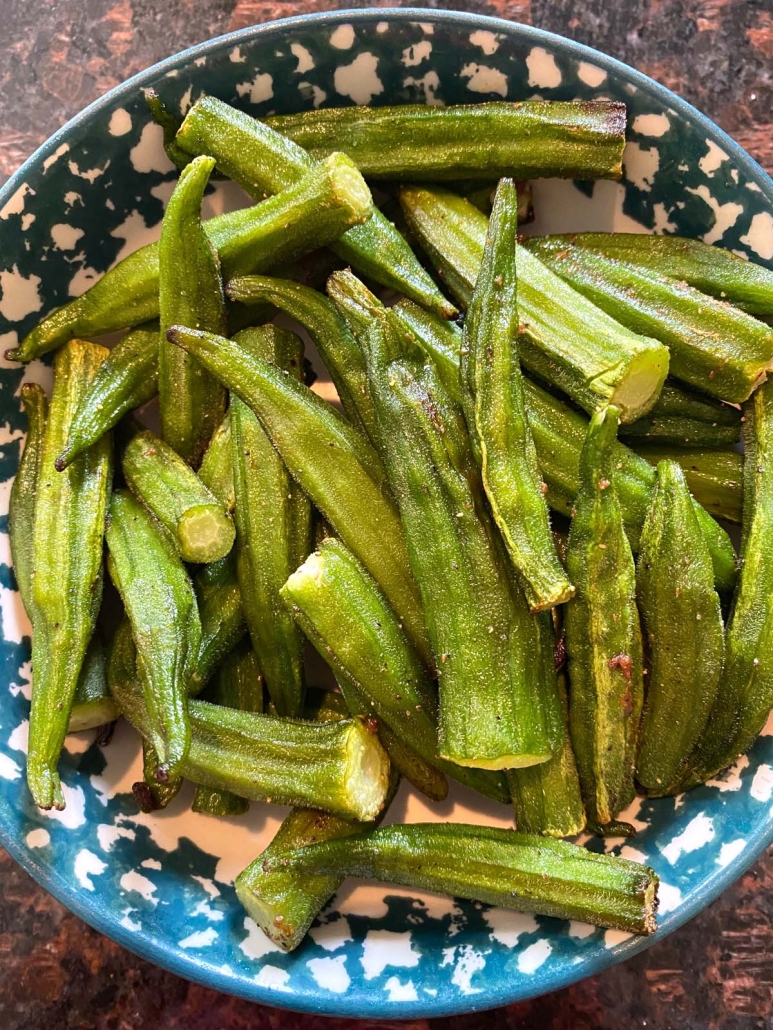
(716, 972)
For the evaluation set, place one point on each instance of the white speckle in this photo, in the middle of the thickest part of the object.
(208, 886)
(274, 978)
(26, 221)
(39, 838)
(417, 53)
(163, 191)
(259, 90)
(53, 158)
(200, 61)
(342, 38)
(469, 962)
(318, 96)
(87, 864)
(129, 923)
(448, 956)
(120, 122)
(726, 215)
(383, 26)
(651, 125)
(429, 83)
(730, 851)
(72, 198)
(65, 236)
(359, 80)
(730, 780)
(203, 908)
(399, 991)
(9, 770)
(330, 973)
(712, 159)
(15, 205)
(332, 935)
(531, 958)
(305, 60)
(107, 835)
(237, 56)
(669, 898)
(759, 238)
(16, 623)
(484, 79)
(78, 743)
(134, 881)
(507, 927)
(151, 863)
(543, 70)
(762, 784)
(382, 948)
(148, 155)
(641, 165)
(698, 832)
(256, 944)
(632, 854)
(185, 100)
(614, 937)
(83, 280)
(581, 930)
(90, 174)
(25, 672)
(74, 814)
(487, 41)
(663, 221)
(591, 74)
(753, 187)
(19, 294)
(200, 939)
(426, 27)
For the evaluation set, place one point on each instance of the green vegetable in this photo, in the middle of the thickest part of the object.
(150, 793)
(92, 705)
(262, 161)
(316, 210)
(714, 347)
(713, 476)
(69, 524)
(413, 142)
(126, 379)
(563, 337)
(196, 521)
(496, 415)
(273, 519)
(216, 471)
(190, 293)
(161, 605)
(169, 124)
(500, 867)
(676, 431)
(603, 637)
(222, 626)
(683, 630)
(21, 504)
(679, 401)
(332, 462)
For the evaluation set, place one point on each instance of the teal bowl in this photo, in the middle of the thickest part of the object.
(162, 885)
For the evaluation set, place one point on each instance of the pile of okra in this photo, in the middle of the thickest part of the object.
(405, 532)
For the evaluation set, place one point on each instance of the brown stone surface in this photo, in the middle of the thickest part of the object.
(716, 973)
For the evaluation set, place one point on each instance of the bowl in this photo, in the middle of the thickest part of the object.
(162, 884)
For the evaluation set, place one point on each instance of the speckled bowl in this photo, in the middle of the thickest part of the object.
(163, 884)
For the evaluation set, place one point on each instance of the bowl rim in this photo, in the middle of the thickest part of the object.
(194, 969)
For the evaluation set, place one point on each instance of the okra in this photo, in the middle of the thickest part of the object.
(713, 270)
(563, 337)
(169, 125)
(679, 401)
(350, 623)
(273, 521)
(714, 347)
(528, 140)
(559, 432)
(603, 635)
(200, 527)
(21, 504)
(262, 161)
(331, 461)
(715, 477)
(159, 600)
(499, 867)
(330, 334)
(745, 695)
(222, 627)
(676, 431)
(192, 402)
(216, 471)
(70, 509)
(92, 704)
(329, 199)
(496, 415)
(682, 623)
(150, 793)
(127, 379)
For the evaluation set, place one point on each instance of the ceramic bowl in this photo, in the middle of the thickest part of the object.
(162, 885)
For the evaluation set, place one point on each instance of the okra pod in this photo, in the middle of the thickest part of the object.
(493, 388)
(528, 140)
(499, 867)
(262, 161)
(150, 793)
(332, 462)
(216, 471)
(676, 431)
(200, 527)
(603, 635)
(714, 347)
(677, 400)
(314, 211)
(340, 353)
(350, 623)
(70, 509)
(192, 402)
(161, 605)
(21, 504)
(682, 623)
(169, 124)
(92, 704)
(563, 337)
(222, 627)
(273, 521)
(713, 270)
(715, 477)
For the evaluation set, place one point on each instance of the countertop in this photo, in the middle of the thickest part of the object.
(57, 973)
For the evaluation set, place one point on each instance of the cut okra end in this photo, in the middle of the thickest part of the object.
(367, 771)
(44, 785)
(510, 761)
(636, 394)
(349, 189)
(205, 534)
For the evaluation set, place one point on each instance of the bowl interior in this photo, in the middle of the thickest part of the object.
(163, 884)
